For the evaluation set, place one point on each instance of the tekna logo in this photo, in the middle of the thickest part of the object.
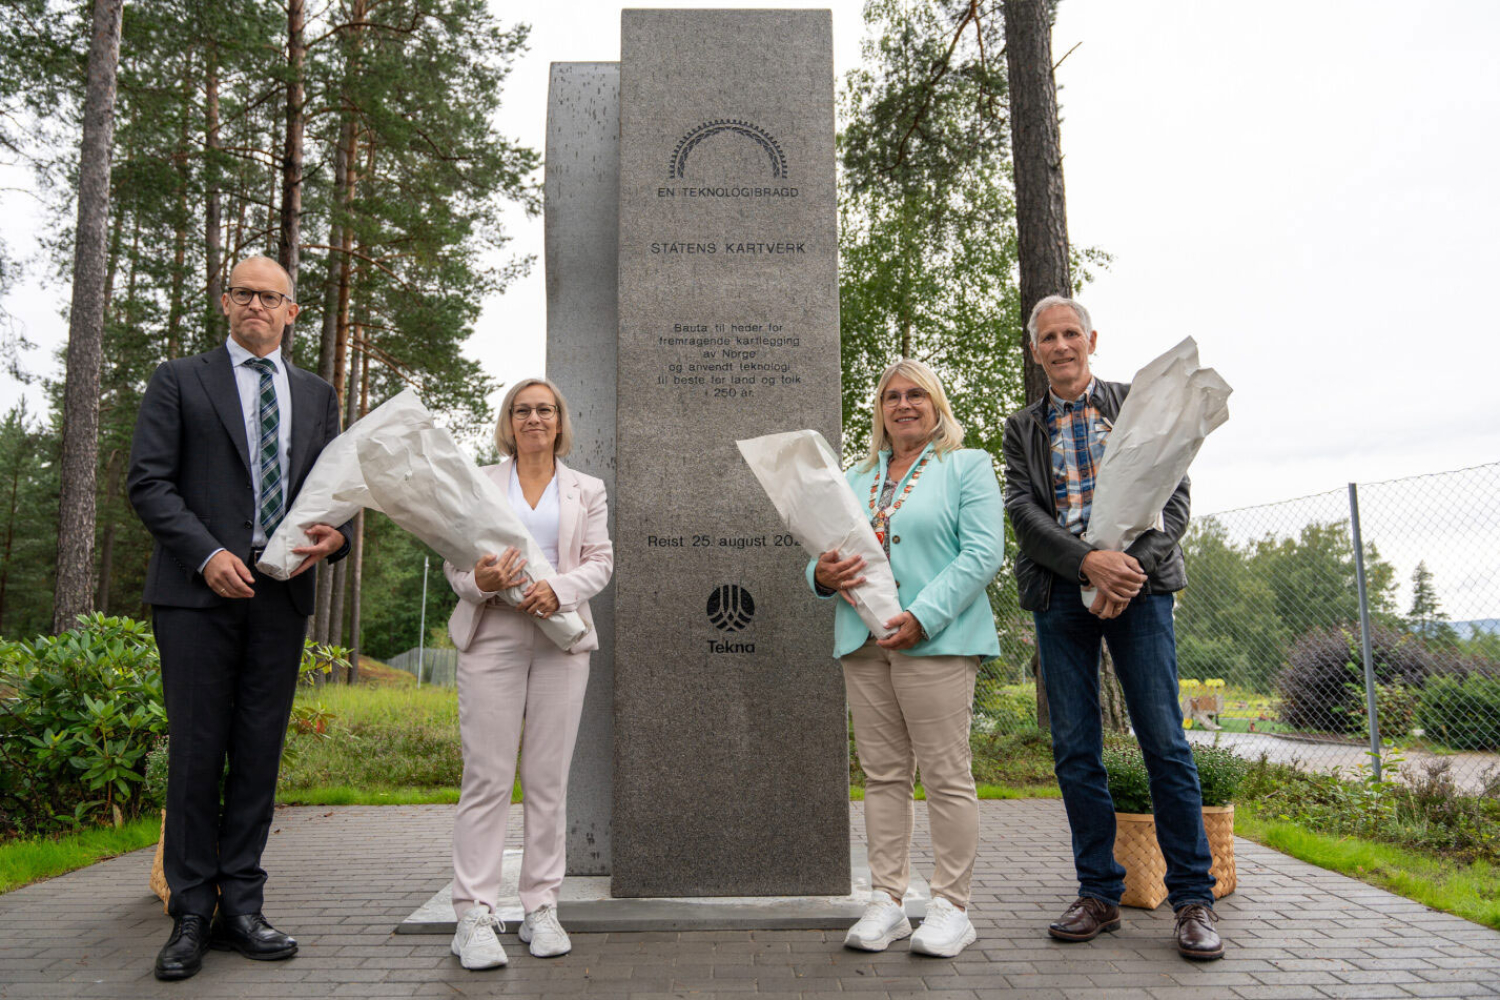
(730, 609)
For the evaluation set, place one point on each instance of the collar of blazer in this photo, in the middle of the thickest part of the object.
(217, 375)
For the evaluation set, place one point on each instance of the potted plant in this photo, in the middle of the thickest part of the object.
(1220, 771)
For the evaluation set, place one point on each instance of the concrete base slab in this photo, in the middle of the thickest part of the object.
(586, 906)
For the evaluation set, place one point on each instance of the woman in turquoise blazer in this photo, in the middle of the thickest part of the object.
(936, 509)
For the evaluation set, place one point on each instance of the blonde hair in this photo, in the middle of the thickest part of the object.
(505, 433)
(947, 436)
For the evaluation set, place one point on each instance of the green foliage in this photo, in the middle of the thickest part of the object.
(1004, 708)
(1245, 604)
(391, 613)
(1462, 712)
(1129, 782)
(1323, 685)
(34, 858)
(28, 523)
(1220, 772)
(1423, 811)
(85, 708)
(378, 739)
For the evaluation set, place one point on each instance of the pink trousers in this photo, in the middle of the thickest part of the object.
(515, 688)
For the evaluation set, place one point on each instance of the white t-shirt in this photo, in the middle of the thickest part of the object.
(541, 522)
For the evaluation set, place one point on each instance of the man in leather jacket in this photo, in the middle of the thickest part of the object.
(1052, 450)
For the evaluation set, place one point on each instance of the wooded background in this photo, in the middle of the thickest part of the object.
(353, 140)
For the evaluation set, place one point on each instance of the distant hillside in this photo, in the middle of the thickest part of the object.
(1474, 626)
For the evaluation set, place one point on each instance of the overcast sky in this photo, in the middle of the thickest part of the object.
(1305, 187)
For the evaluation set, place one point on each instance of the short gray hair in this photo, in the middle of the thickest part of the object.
(1058, 300)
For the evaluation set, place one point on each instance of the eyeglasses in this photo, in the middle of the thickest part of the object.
(242, 296)
(544, 411)
(915, 397)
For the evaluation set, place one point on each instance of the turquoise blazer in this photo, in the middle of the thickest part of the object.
(947, 544)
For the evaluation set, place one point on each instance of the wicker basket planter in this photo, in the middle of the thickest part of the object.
(1137, 851)
(158, 871)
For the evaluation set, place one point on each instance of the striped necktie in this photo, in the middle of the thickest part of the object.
(271, 499)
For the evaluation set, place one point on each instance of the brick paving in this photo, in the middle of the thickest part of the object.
(342, 878)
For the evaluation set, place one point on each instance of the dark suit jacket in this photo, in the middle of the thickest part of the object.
(190, 472)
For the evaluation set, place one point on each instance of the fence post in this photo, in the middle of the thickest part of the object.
(422, 636)
(1364, 631)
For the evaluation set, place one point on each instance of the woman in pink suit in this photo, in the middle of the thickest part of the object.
(510, 673)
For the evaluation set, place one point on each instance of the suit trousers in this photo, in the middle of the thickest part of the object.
(914, 712)
(515, 687)
(229, 674)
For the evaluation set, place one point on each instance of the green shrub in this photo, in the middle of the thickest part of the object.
(1323, 684)
(1461, 713)
(84, 709)
(1220, 771)
(1129, 783)
(1004, 708)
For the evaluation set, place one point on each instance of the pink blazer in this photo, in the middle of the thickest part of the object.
(585, 555)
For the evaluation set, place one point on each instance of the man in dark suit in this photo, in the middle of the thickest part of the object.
(222, 444)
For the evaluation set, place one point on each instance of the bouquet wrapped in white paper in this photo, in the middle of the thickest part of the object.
(1173, 405)
(332, 493)
(801, 475)
(413, 471)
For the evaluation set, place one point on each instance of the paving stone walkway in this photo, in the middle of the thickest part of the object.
(342, 878)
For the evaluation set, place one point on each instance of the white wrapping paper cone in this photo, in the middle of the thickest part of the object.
(801, 476)
(429, 486)
(397, 460)
(1172, 407)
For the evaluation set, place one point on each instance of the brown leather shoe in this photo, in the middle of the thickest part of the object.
(1084, 918)
(1196, 937)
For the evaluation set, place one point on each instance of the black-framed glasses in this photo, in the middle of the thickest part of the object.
(523, 412)
(913, 396)
(242, 296)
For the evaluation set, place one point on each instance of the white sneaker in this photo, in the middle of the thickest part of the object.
(945, 931)
(884, 921)
(544, 934)
(476, 942)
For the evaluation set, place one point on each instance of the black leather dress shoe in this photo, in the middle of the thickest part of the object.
(1196, 937)
(251, 936)
(182, 956)
(1084, 919)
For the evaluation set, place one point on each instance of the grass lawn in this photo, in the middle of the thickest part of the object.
(25, 861)
(1471, 891)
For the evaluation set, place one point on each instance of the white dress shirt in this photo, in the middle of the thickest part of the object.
(247, 381)
(542, 522)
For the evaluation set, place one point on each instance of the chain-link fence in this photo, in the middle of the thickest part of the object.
(439, 666)
(1278, 653)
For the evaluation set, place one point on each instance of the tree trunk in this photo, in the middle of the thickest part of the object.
(357, 556)
(10, 534)
(1036, 155)
(213, 227)
(1112, 712)
(289, 252)
(74, 592)
(107, 544)
(337, 233)
(1036, 148)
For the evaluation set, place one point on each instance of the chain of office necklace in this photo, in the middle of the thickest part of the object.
(882, 517)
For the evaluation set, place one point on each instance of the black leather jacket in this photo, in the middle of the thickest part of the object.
(1048, 551)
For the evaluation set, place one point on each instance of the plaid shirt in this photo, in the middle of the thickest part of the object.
(1078, 431)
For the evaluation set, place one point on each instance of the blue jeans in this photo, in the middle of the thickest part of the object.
(1143, 646)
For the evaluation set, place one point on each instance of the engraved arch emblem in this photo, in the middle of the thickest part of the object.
(730, 607)
(677, 169)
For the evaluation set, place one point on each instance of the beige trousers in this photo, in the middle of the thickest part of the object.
(914, 712)
(510, 675)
